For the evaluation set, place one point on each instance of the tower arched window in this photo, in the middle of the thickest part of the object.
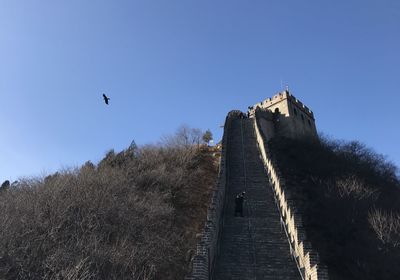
(276, 114)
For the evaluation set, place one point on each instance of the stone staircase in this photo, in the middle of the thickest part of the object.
(253, 246)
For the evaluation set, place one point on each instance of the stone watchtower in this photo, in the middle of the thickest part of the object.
(284, 115)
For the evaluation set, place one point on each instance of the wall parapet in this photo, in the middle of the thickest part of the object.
(278, 98)
(306, 258)
(203, 260)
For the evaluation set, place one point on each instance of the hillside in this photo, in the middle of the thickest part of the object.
(349, 198)
(134, 215)
(137, 214)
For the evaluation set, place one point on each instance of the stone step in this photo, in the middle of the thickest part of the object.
(253, 246)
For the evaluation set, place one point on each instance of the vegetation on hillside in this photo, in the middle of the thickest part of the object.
(350, 200)
(134, 215)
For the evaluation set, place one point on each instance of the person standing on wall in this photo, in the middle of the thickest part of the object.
(239, 204)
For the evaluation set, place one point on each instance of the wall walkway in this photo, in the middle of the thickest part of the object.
(268, 242)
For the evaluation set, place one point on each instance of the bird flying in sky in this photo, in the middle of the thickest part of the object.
(106, 98)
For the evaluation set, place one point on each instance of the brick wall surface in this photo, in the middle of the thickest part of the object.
(204, 258)
(307, 258)
(206, 253)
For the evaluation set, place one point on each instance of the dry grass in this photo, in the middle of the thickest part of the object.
(133, 216)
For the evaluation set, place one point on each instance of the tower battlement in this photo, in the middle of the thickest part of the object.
(288, 116)
(279, 97)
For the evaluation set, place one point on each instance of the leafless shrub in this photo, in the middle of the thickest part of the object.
(184, 137)
(386, 225)
(352, 186)
(337, 183)
(133, 216)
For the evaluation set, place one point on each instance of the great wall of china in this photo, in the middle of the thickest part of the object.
(269, 242)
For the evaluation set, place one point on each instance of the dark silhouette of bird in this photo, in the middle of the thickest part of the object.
(106, 98)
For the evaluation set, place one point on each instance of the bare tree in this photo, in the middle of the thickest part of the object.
(185, 136)
(354, 187)
(386, 226)
(131, 216)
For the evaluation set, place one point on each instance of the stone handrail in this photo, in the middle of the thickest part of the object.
(306, 259)
(207, 249)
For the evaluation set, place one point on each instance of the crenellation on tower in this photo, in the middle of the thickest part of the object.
(285, 115)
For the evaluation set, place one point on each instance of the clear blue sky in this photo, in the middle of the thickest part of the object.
(167, 63)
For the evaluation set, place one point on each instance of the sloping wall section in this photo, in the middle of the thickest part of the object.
(207, 249)
(307, 259)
